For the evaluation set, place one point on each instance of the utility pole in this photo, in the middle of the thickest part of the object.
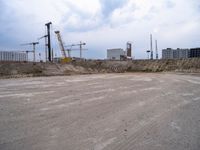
(156, 49)
(151, 46)
(148, 51)
(49, 40)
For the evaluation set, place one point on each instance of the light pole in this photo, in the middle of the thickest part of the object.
(148, 51)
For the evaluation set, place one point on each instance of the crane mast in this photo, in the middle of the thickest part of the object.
(80, 46)
(49, 40)
(61, 44)
(33, 44)
(46, 45)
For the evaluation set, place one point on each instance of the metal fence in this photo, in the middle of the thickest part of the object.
(13, 56)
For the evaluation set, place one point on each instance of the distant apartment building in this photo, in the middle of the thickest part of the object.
(116, 54)
(194, 52)
(167, 53)
(182, 53)
(178, 53)
(13, 56)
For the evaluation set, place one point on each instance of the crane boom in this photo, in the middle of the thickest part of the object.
(46, 45)
(61, 44)
(45, 36)
(80, 45)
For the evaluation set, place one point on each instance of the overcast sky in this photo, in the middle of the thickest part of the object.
(102, 24)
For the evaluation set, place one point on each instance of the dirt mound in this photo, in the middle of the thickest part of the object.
(181, 65)
(39, 69)
(93, 66)
(17, 69)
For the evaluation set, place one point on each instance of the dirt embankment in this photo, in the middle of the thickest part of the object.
(183, 65)
(9, 69)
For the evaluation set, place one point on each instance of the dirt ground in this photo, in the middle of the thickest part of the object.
(101, 112)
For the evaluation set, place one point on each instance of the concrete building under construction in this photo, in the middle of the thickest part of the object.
(119, 53)
(115, 54)
(178, 53)
(13, 56)
(194, 52)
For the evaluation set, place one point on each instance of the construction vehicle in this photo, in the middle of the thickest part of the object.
(65, 59)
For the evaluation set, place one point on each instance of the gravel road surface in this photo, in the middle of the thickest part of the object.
(101, 112)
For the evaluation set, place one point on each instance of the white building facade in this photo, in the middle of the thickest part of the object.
(115, 54)
(13, 56)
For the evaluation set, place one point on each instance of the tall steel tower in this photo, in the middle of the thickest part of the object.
(156, 42)
(151, 46)
(129, 49)
(49, 40)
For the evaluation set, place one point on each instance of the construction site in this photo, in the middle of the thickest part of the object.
(25, 63)
(118, 103)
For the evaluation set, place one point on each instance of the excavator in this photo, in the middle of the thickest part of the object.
(65, 58)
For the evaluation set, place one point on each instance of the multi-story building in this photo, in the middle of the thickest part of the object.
(167, 53)
(183, 53)
(178, 53)
(194, 52)
(116, 54)
(175, 54)
(13, 56)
